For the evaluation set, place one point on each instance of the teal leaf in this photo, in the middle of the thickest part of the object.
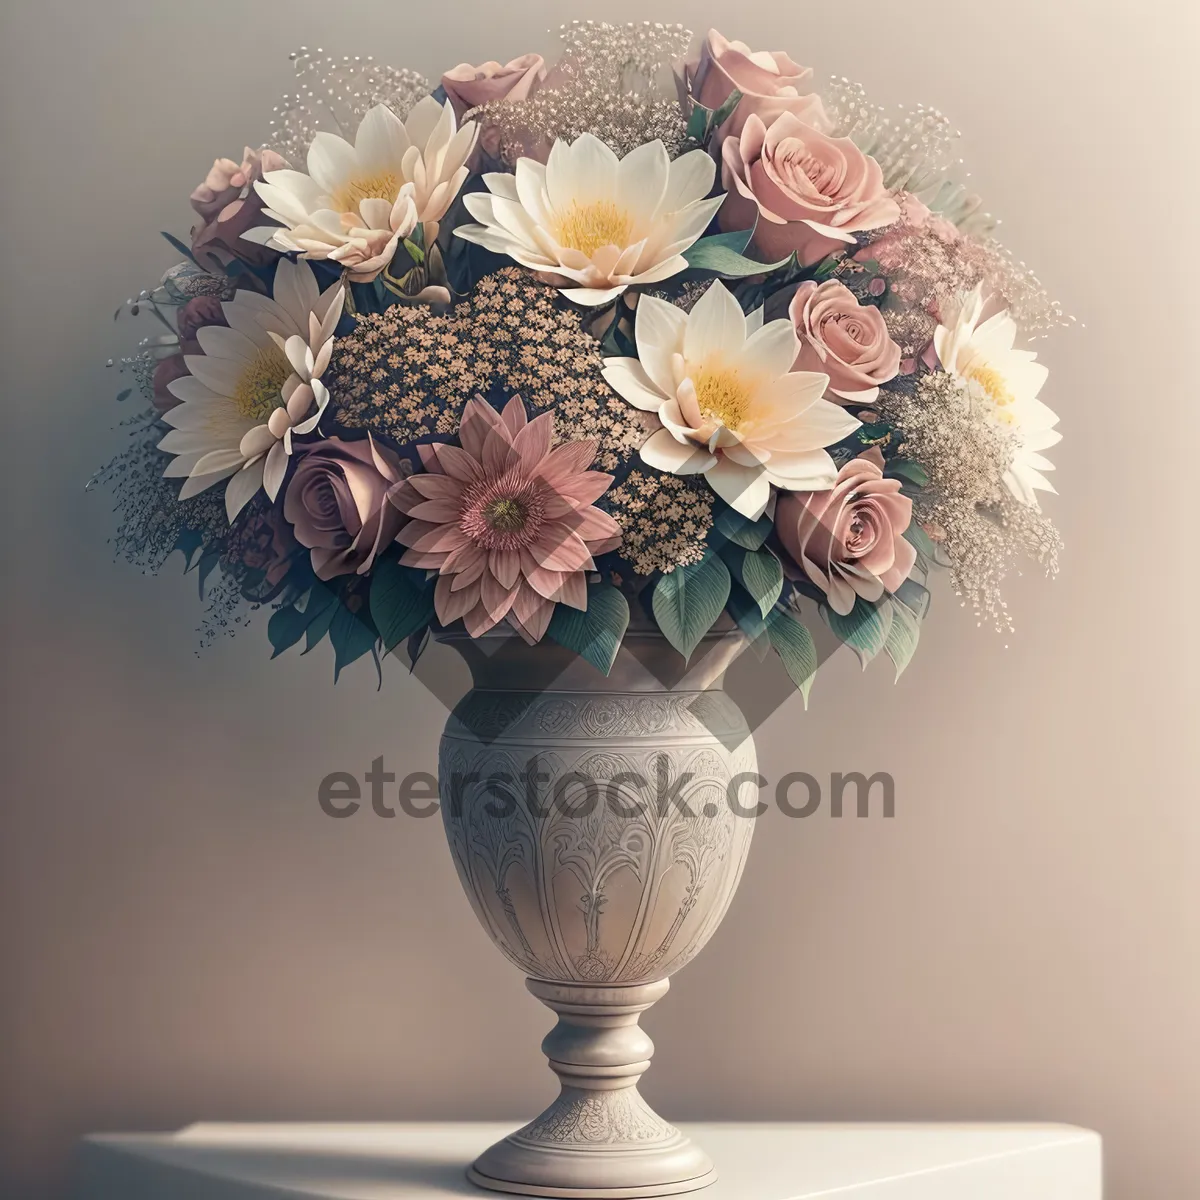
(184, 250)
(719, 254)
(920, 540)
(747, 614)
(285, 628)
(796, 649)
(688, 600)
(864, 629)
(907, 469)
(721, 115)
(762, 576)
(902, 637)
(915, 597)
(289, 624)
(323, 605)
(740, 530)
(401, 601)
(595, 634)
(351, 637)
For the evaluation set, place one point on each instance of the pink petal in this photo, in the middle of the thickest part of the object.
(505, 565)
(450, 605)
(457, 463)
(560, 548)
(532, 443)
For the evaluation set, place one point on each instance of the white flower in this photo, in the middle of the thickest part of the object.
(590, 219)
(357, 202)
(1005, 383)
(253, 387)
(730, 405)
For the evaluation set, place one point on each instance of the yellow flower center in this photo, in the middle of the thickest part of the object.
(587, 227)
(258, 390)
(383, 185)
(995, 387)
(506, 515)
(723, 395)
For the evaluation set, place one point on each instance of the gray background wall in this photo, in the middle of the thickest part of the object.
(185, 935)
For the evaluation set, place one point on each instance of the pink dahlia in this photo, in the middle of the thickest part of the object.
(507, 522)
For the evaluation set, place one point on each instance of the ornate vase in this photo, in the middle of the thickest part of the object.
(595, 826)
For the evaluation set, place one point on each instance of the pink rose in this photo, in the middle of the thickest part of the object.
(229, 206)
(808, 192)
(468, 87)
(267, 545)
(848, 540)
(770, 84)
(337, 502)
(843, 339)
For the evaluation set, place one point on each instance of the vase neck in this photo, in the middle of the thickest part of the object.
(646, 662)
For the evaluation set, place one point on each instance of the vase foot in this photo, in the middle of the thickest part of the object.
(599, 1140)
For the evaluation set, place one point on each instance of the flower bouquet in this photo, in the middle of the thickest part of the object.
(639, 350)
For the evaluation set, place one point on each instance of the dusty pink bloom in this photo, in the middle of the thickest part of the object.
(808, 192)
(196, 313)
(337, 503)
(468, 87)
(845, 340)
(770, 84)
(228, 206)
(507, 522)
(848, 540)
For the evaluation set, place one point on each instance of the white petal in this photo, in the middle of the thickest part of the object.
(219, 342)
(241, 488)
(381, 140)
(218, 374)
(274, 469)
(659, 330)
(663, 452)
(642, 180)
(592, 297)
(627, 377)
(716, 326)
(191, 391)
(772, 349)
(422, 121)
(331, 161)
(295, 291)
(745, 489)
(691, 179)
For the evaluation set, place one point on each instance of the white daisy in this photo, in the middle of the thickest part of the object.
(257, 382)
(358, 201)
(1005, 382)
(590, 219)
(730, 405)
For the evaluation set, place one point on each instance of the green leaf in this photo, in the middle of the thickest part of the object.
(702, 121)
(323, 605)
(902, 637)
(826, 268)
(762, 577)
(285, 628)
(721, 255)
(721, 115)
(746, 613)
(907, 469)
(184, 250)
(914, 596)
(919, 540)
(864, 629)
(351, 636)
(289, 624)
(741, 530)
(688, 600)
(401, 601)
(796, 649)
(595, 634)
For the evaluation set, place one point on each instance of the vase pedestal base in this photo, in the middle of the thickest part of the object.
(599, 1140)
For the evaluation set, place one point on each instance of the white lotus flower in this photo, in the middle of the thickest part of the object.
(255, 385)
(1005, 382)
(729, 403)
(587, 218)
(357, 202)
